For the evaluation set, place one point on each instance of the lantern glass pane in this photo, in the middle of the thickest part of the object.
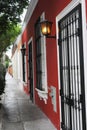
(46, 27)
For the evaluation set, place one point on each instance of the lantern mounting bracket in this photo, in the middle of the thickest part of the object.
(47, 36)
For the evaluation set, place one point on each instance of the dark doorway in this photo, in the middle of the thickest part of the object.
(30, 70)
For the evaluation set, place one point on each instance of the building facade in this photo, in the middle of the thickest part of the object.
(54, 69)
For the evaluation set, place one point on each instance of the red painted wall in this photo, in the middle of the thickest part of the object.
(86, 10)
(51, 8)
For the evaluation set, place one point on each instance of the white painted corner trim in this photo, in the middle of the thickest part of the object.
(29, 13)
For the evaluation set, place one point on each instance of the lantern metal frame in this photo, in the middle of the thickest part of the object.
(23, 50)
(46, 28)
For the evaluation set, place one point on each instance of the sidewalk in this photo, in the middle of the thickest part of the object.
(19, 113)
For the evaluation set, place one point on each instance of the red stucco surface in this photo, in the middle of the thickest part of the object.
(51, 8)
(86, 10)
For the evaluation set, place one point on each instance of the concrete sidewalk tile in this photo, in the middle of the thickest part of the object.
(19, 113)
(12, 126)
(41, 124)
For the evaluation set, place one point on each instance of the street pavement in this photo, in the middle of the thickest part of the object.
(18, 112)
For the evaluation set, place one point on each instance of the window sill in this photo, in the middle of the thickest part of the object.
(43, 95)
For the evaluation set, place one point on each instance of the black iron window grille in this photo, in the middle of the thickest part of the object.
(23, 63)
(30, 70)
(72, 71)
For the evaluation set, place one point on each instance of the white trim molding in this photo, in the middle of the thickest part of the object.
(44, 93)
(64, 12)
